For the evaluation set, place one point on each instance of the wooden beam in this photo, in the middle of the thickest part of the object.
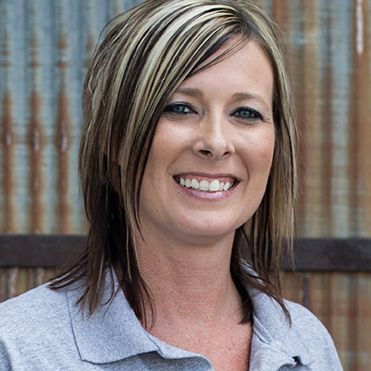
(331, 255)
(311, 254)
(39, 250)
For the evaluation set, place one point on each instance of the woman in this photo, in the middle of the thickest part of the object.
(187, 164)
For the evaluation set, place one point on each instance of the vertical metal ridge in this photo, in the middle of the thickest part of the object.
(8, 173)
(8, 135)
(63, 123)
(35, 135)
(341, 61)
(354, 330)
(327, 147)
(311, 121)
(360, 133)
(303, 126)
(36, 178)
(298, 78)
(363, 322)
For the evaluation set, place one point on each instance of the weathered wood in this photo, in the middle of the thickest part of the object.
(331, 254)
(317, 255)
(39, 250)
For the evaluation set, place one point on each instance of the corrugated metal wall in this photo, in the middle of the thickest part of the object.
(44, 49)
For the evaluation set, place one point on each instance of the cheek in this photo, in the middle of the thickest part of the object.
(159, 151)
(258, 153)
(266, 153)
(169, 141)
(167, 146)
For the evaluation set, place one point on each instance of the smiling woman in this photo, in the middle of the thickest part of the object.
(216, 131)
(187, 164)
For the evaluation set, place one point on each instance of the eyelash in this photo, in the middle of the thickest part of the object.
(257, 116)
(187, 109)
(171, 109)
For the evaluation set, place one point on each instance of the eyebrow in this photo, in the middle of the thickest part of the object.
(194, 92)
(241, 96)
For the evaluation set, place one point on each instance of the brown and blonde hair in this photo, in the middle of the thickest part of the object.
(147, 52)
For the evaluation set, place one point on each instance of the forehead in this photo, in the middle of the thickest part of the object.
(246, 69)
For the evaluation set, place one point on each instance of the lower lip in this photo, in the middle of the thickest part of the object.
(207, 195)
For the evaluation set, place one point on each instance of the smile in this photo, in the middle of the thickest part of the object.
(205, 185)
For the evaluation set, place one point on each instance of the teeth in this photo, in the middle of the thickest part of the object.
(214, 186)
(205, 186)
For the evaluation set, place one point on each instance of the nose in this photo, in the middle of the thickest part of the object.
(214, 140)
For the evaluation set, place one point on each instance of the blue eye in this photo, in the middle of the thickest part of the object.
(179, 109)
(249, 114)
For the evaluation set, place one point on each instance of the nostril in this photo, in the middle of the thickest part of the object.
(205, 152)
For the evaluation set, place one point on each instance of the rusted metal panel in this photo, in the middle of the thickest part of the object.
(44, 50)
(14, 281)
(343, 304)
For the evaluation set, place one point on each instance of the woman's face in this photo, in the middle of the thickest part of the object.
(212, 151)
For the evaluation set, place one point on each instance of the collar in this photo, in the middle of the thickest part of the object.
(114, 333)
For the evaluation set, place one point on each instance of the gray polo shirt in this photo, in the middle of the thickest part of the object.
(44, 330)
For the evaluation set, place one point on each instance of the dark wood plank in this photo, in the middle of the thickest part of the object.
(320, 255)
(39, 250)
(331, 254)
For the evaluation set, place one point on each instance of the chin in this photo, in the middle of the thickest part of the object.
(211, 230)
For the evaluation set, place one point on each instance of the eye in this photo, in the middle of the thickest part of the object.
(247, 114)
(179, 109)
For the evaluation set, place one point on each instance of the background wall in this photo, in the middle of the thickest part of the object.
(44, 50)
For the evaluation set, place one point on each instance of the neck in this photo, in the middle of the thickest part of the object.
(190, 284)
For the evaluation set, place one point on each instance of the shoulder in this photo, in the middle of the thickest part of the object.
(35, 307)
(37, 320)
(305, 323)
(305, 338)
(314, 336)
